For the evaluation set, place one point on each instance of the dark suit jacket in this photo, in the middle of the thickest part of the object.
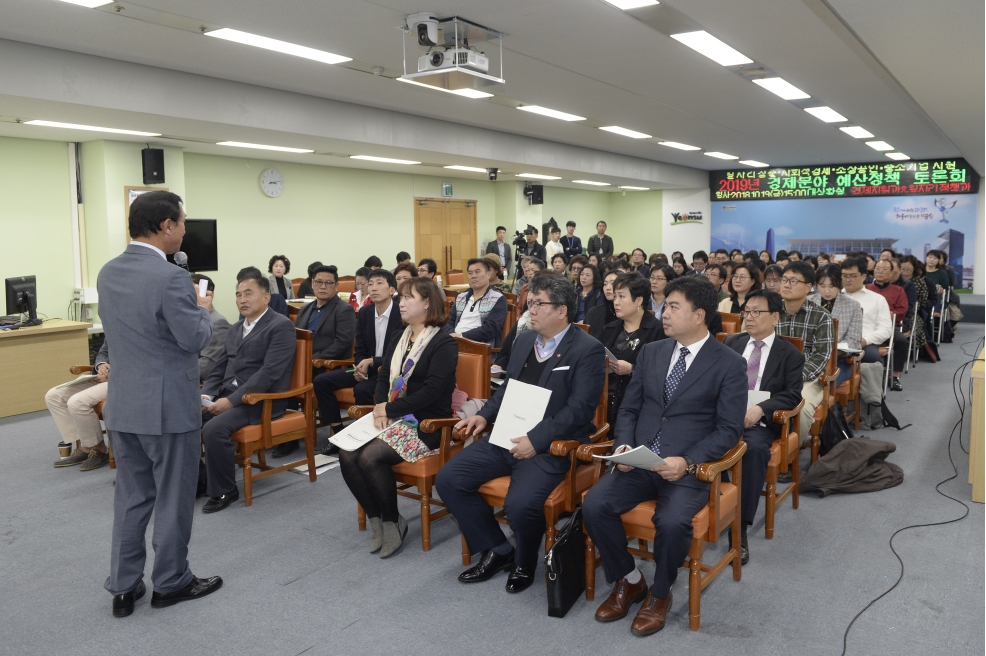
(575, 375)
(333, 338)
(508, 249)
(278, 304)
(260, 363)
(781, 376)
(366, 335)
(703, 419)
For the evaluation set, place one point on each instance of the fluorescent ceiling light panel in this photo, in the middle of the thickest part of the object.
(781, 87)
(857, 132)
(632, 4)
(277, 46)
(634, 188)
(704, 43)
(91, 4)
(285, 149)
(553, 113)
(591, 182)
(474, 169)
(879, 145)
(385, 160)
(616, 129)
(465, 93)
(826, 114)
(721, 155)
(754, 163)
(537, 176)
(897, 156)
(90, 128)
(679, 146)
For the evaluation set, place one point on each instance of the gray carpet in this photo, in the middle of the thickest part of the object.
(298, 578)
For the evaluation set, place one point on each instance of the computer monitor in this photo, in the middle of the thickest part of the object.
(22, 297)
(200, 245)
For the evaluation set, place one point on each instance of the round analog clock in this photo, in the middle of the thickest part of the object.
(272, 182)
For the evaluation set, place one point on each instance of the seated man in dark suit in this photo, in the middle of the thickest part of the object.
(277, 302)
(773, 365)
(333, 325)
(685, 402)
(258, 357)
(555, 355)
(375, 324)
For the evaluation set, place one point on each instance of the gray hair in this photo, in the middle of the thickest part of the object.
(559, 290)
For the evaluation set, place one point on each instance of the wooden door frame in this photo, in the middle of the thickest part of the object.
(475, 204)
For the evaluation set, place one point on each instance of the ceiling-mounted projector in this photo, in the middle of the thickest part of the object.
(452, 57)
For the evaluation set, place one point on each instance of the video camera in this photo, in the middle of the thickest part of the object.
(520, 238)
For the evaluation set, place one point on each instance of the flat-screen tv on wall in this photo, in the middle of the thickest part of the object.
(200, 245)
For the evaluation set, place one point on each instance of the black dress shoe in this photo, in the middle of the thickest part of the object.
(895, 385)
(744, 546)
(215, 504)
(330, 450)
(490, 562)
(123, 604)
(520, 579)
(196, 589)
(285, 449)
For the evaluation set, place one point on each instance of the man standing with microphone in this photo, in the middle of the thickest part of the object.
(157, 327)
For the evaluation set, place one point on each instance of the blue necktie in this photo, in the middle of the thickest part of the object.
(670, 385)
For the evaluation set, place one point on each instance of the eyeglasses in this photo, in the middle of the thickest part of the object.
(658, 279)
(535, 306)
(322, 283)
(850, 276)
(753, 313)
(791, 282)
(741, 278)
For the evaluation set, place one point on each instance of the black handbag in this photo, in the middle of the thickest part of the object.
(834, 430)
(564, 566)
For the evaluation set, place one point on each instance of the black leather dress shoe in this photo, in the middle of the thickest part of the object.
(520, 579)
(330, 449)
(490, 562)
(123, 604)
(196, 589)
(895, 385)
(744, 547)
(215, 504)
(285, 449)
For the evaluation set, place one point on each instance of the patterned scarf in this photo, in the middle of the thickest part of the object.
(401, 367)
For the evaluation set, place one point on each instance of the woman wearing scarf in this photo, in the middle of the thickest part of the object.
(416, 379)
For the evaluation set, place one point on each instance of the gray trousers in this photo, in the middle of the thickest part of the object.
(154, 473)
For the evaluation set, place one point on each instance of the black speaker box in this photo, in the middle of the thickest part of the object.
(537, 194)
(153, 164)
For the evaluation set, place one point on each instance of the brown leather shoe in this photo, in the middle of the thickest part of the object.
(624, 595)
(651, 616)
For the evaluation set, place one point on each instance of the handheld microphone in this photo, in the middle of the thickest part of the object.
(181, 260)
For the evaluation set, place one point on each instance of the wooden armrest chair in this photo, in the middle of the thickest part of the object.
(292, 425)
(566, 495)
(451, 294)
(784, 455)
(721, 513)
(849, 390)
(828, 393)
(511, 298)
(347, 284)
(472, 375)
(455, 277)
(730, 322)
(78, 370)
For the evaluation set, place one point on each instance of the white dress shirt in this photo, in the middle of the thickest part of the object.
(692, 352)
(878, 324)
(768, 341)
(248, 327)
(380, 322)
(152, 247)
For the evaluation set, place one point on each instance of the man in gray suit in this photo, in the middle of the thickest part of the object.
(210, 354)
(150, 315)
(257, 357)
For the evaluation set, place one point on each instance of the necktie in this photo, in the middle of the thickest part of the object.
(753, 366)
(670, 385)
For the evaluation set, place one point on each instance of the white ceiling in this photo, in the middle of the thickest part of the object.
(909, 71)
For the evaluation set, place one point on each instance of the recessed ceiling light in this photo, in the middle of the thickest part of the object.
(90, 128)
(632, 4)
(634, 188)
(721, 155)
(553, 113)
(474, 169)
(897, 156)
(826, 114)
(857, 132)
(616, 129)
(781, 87)
(879, 145)
(285, 149)
(277, 46)
(679, 146)
(537, 176)
(591, 182)
(465, 93)
(704, 43)
(91, 4)
(754, 163)
(385, 160)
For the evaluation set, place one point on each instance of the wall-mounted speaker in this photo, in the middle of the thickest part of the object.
(534, 193)
(152, 160)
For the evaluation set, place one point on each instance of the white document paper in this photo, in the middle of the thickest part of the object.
(522, 408)
(322, 464)
(755, 397)
(356, 434)
(80, 379)
(641, 457)
(207, 402)
(203, 287)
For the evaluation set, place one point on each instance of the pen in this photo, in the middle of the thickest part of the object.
(349, 371)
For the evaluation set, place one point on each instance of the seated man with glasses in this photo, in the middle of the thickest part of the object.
(803, 319)
(716, 273)
(557, 356)
(479, 312)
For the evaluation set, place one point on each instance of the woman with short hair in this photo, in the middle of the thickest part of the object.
(745, 278)
(279, 267)
(660, 276)
(361, 296)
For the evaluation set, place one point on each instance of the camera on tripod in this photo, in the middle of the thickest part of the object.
(520, 238)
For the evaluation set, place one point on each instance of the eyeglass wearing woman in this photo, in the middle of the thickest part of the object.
(660, 276)
(745, 278)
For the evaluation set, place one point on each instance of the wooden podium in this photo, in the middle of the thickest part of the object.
(37, 358)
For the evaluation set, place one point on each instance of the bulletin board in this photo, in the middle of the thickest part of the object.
(129, 195)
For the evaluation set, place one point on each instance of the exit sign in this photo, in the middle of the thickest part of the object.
(446, 189)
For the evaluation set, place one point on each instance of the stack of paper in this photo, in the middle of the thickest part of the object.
(522, 409)
(641, 457)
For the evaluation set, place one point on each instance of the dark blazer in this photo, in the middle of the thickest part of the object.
(260, 363)
(650, 330)
(508, 248)
(595, 245)
(597, 317)
(781, 376)
(643, 269)
(333, 338)
(429, 389)
(278, 304)
(591, 300)
(366, 334)
(211, 353)
(536, 250)
(703, 419)
(572, 246)
(575, 375)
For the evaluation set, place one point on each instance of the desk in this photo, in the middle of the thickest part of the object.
(457, 288)
(977, 448)
(37, 358)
